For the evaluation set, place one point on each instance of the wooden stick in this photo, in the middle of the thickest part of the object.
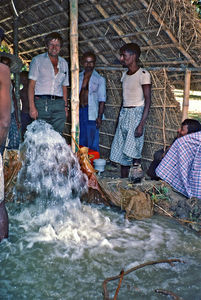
(74, 72)
(119, 285)
(169, 293)
(169, 261)
(185, 105)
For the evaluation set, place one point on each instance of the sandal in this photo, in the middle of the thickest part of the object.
(136, 173)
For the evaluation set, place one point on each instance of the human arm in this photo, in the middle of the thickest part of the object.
(65, 96)
(32, 108)
(147, 96)
(100, 114)
(5, 102)
(102, 99)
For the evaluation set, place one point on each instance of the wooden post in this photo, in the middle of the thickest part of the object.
(17, 75)
(185, 105)
(74, 74)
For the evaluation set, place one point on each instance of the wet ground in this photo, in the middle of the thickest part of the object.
(167, 201)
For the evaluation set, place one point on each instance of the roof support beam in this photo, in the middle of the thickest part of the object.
(17, 74)
(91, 44)
(87, 23)
(103, 37)
(74, 74)
(169, 33)
(185, 104)
(113, 25)
(144, 37)
(100, 33)
(25, 10)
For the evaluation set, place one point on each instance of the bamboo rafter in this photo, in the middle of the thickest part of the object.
(169, 33)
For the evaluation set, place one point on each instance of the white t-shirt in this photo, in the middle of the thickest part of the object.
(132, 87)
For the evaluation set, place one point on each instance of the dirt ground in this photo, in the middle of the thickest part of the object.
(166, 200)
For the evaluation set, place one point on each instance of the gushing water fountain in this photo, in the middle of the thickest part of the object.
(49, 168)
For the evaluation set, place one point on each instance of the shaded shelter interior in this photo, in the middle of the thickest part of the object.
(168, 32)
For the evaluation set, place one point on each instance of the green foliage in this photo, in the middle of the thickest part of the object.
(196, 116)
(4, 48)
(197, 4)
(160, 193)
(24, 68)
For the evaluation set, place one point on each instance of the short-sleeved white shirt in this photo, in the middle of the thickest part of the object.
(132, 87)
(47, 83)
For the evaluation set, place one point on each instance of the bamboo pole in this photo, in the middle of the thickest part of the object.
(185, 105)
(74, 73)
(17, 75)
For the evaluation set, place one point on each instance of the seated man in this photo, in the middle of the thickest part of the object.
(187, 126)
(181, 166)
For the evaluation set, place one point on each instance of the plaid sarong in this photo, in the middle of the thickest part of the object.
(125, 145)
(181, 166)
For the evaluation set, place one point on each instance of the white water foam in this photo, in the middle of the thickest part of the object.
(49, 168)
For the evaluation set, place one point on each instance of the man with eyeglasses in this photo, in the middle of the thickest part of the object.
(92, 89)
(48, 81)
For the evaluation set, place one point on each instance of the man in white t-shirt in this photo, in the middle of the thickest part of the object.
(129, 136)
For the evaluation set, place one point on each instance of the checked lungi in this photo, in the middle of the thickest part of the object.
(181, 166)
(125, 145)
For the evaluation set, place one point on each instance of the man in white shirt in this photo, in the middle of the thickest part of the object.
(129, 137)
(5, 108)
(48, 83)
(92, 89)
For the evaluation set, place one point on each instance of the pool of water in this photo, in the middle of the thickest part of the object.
(66, 251)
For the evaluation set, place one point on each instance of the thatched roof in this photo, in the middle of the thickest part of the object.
(168, 32)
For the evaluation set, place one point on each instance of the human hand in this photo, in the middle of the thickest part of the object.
(139, 131)
(66, 111)
(98, 122)
(33, 113)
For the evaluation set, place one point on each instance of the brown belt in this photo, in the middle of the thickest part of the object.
(51, 97)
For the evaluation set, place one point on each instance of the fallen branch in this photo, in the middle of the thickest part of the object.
(118, 288)
(168, 214)
(105, 291)
(169, 293)
(177, 219)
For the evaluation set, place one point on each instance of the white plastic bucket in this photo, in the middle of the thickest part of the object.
(99, 164)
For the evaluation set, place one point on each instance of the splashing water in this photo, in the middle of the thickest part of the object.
(50, 170)
(66, 250)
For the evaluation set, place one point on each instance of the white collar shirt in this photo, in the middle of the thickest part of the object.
(47, 83)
